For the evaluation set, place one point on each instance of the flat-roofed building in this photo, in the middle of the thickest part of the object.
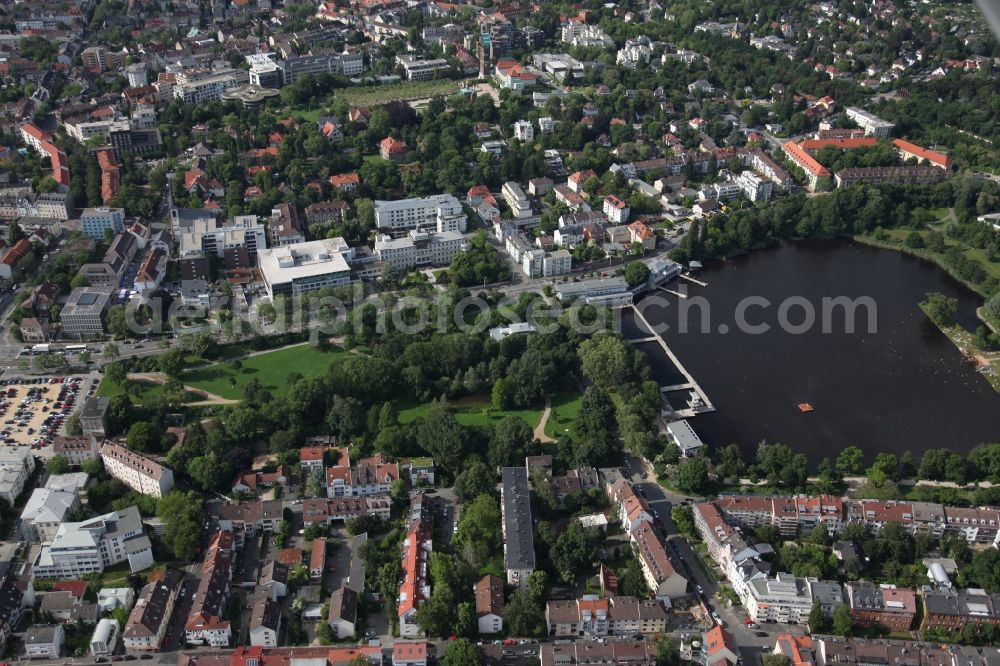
(683, 435)
(92, 545)
(441, 212)
(303, 267)
(872, 124)
(518, 528)
(83, 315)
(419, 248)
(94, 222)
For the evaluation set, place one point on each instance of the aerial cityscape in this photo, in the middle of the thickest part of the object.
(521, 333)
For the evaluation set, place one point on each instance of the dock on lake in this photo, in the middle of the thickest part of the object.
(698, 403)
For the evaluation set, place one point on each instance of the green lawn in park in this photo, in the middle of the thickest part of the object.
(271, 369)
(471, 411)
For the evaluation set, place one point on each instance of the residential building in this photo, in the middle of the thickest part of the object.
(392, 149)
(265, 622)
(317, 559)
(415, 588)
(151, 271)
(636, 50)
(197, 86)
(204, 236)
(250, 517)
(613, 616)
(43, 641)
(720, 647)
(110, 598)
(16, 467)
(98, 58)
(872, 124)
(616, 209)
(42, 142)
(598, 651)
(205, 624)
(882, 606)
(784, 598)
(489, 604)
(343, 614)
(892, 175)
(104, 640)
(284, 228)
(142, 474)
(14, 599)
(149, 620)
(370, 476)
(817, 175)
(419, 69)
(524, 131)
(76, 450)
(442, 212)
(662, 576)
(341, 509)
(516, 199)
(754, 187)
(303, 267)
(419, 248)
(45, 511)
(909, 150)
(518, 527)
(94, 416)
(14, 260)
(326, 212)
(110, 174)
(92, 545)
(94, 222)
(511, 75)
(409, 653)
(421, 471)
(582, 34)
(952, 610)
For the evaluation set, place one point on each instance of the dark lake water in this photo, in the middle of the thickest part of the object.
(903, 388)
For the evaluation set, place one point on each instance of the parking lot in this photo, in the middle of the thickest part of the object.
(33, 411)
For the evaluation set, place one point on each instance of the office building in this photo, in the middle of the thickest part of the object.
(83, 315)
(441, 212)
(45, 511)
(245, 234)
(141, 474)
(94, 222)
(92, 545)
(304, 267)
(518, 528)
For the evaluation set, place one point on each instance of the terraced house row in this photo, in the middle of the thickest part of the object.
(794, 514)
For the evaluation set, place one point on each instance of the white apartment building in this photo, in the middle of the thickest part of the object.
(83, 131)
(441, 212)
(205, 236)
(635, 51)
(556, 263)
(16, 466)
(872, 124)
(784, 599)
(515, 197)
(754, 187)
(304, 267)
(94, 544)
(194, 86)
(727, 190)
(419, 248)
(581, 34)
(95, 221)
(616, 209)
(524, 131)
(418, 69)
(141, 474)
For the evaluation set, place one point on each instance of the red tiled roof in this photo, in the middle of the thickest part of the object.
(804, 159)
(922, 153)
(77, 588)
